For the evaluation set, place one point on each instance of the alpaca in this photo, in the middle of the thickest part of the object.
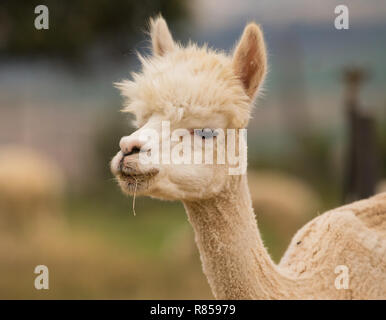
(196, 87)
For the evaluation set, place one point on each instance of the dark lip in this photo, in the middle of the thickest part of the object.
(133, 177)
(137, 177)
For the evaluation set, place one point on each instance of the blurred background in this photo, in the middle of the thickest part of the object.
(317, 139)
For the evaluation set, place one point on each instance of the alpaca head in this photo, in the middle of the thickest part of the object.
(189, 105)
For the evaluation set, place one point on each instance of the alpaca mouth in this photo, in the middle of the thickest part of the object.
(138, 179)
(133, 178)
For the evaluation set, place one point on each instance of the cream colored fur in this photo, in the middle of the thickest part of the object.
(199, 88)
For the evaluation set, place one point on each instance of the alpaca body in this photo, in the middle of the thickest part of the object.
(197, 88)
(234, 257)
(353, 235)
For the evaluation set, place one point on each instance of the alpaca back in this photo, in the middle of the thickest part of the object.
(352, 236)
(372, 212)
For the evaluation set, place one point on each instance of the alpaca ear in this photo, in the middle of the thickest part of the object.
(250, 59)
(161, 38)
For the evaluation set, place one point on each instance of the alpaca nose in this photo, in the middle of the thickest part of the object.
(130, 146)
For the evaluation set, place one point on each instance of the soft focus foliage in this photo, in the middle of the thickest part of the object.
(77, 26)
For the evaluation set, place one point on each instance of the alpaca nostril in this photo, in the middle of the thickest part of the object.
(134, 150)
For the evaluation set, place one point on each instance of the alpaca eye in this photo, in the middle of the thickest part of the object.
(206, 133)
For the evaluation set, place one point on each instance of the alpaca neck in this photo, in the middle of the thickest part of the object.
(233, 256)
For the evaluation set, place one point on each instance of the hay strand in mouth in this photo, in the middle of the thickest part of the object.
(134, 195)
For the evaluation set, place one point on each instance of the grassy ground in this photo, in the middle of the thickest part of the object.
(102, 250)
